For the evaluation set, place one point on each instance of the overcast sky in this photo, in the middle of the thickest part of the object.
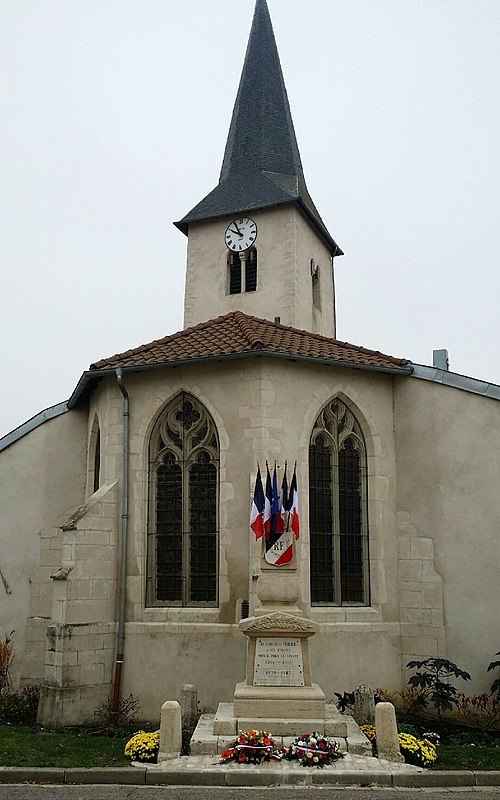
(114, 120)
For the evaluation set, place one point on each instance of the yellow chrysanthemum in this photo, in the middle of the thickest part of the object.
(143, 746)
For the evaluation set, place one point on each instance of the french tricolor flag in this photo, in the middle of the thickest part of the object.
(279, 543)
(268, 502)
(293, 506)
(256, 512)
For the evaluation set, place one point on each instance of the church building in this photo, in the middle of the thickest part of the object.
(126, 555)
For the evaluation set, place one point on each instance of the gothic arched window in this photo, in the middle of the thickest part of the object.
(337, 509)
(94, 458)
(183, 507)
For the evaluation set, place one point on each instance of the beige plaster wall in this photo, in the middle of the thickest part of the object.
(161, 657)
(433, 471)
(263, 409)
(40, 476)
(448, 451)
(286, 243)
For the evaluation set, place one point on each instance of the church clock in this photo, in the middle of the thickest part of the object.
(240, 234)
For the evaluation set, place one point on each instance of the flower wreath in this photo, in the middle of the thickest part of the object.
(252, 747)
(314, 750)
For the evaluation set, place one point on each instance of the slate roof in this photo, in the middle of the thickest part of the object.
(261, 165)
(236, 334)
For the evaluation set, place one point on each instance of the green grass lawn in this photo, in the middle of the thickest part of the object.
(454, 756)
(24, 747)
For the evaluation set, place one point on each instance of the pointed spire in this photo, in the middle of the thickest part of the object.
(261, 135)
(261, 165)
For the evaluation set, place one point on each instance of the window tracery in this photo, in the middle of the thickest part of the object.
(337, 509)
(183, 524)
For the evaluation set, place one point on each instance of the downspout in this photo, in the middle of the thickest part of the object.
(334, 300)
(123, 547)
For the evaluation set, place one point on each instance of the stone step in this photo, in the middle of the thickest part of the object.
(227, 724)
(205, 741)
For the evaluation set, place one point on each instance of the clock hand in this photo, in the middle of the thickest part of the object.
(237, 229)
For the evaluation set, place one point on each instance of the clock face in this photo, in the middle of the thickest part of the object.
(240, 234)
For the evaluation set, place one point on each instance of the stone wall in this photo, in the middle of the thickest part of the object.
(80, 635)
(448, 446)
(433, 472)
(286, 244)
(262, 409)
(420, 596)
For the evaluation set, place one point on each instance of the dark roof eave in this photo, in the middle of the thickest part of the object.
(34, 422)
(90, 377)
(183, 224)
(321, 228)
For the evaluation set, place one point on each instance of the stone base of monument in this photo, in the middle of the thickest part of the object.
(329, 723)
(278, 694)
(282, 704)
(213, 735)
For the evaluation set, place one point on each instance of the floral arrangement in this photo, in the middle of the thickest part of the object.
(252, 747)
(314, 750)
(143, 746)
(419, 752)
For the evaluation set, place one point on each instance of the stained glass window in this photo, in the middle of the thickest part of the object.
(338, 525)
(183, 525)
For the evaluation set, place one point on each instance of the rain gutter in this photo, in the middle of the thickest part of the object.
(123, 547)
(96, 374)
(457, 381)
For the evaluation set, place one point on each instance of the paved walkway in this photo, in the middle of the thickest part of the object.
(207, 771)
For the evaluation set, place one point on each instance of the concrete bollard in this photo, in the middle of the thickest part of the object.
(364, 705)
(189, 713)
(189, 705)
(170, 731)
(387, 733)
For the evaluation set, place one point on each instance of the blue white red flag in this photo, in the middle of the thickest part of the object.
(276, 518)
(279, 549)
(293, 505)
(268, 499)
(257, 510)
(284, 501)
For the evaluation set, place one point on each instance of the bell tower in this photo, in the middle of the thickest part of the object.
(257, 243)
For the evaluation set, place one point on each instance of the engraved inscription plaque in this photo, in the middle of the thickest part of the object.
(278, 661)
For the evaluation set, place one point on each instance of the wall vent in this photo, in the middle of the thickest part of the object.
(244, 609)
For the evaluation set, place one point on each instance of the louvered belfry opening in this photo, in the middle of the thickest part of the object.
(183, 507)
(242, 271)
(234, 273)
(338, 523)
(251, 270)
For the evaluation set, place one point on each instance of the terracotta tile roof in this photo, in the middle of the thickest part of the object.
(238, 333)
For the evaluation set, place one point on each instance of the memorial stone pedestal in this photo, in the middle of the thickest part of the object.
(278, 686)
(278, 693)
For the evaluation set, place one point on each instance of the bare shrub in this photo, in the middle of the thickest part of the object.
(409, 702)
(480, 710)
(121, 717)
(6, 659)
